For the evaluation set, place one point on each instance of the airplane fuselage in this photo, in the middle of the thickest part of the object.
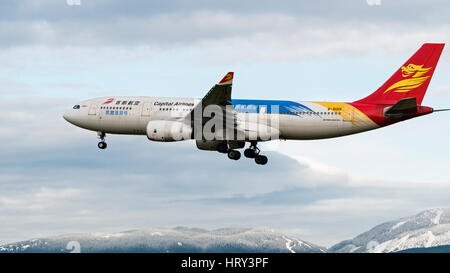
(297, 120)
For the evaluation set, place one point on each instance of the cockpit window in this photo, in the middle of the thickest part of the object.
(76, 107)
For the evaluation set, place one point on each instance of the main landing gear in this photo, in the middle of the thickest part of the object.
(232, 154)
(251, 152)
(102, 144)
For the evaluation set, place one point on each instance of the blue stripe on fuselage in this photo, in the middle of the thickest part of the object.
(272, 106)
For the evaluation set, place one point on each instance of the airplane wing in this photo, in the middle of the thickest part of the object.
(219, 94)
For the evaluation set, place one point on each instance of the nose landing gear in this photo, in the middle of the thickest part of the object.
(102, 144)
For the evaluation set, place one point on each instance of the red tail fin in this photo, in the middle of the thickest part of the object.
(411, 80)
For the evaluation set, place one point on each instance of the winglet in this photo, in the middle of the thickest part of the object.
(228, 79)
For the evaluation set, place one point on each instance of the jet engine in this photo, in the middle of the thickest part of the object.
(166, 131)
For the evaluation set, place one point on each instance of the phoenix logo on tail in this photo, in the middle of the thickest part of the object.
(415, 78)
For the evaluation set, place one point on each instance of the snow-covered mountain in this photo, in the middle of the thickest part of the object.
(180, 239)
(429, 228)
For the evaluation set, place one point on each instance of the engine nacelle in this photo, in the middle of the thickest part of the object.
(165, 130)
(211, 145)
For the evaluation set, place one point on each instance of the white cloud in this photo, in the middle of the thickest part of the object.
(373, 2)
(39, 200)
(227, 36)
(9, 87)
(357, 205)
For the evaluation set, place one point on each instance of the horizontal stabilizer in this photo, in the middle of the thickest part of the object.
(401, 108)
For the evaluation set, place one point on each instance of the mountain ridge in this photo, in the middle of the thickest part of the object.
(178, 239)
(427, 231)
(429, 228)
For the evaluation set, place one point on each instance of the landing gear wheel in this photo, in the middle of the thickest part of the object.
(250, 153)
(233, 154)
(261, 159)
(102, 145)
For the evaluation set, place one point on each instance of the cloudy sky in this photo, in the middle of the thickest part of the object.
(54, 179)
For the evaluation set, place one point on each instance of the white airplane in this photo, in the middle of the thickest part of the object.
(218, 123)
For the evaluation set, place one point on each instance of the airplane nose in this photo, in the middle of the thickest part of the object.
(67, 115)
